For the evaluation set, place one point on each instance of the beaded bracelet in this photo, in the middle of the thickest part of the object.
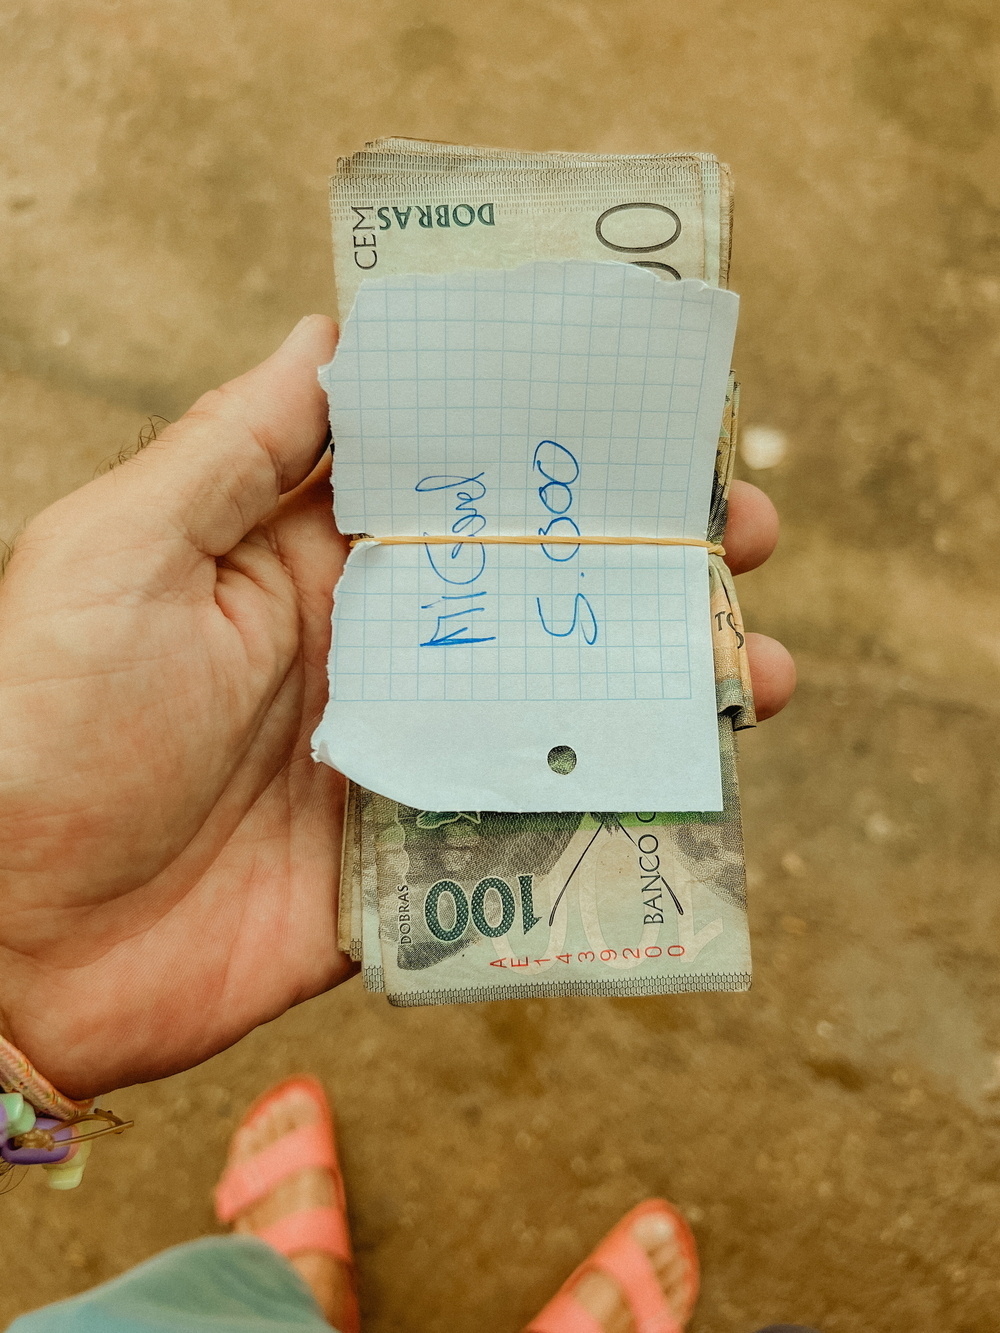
(40, 1126)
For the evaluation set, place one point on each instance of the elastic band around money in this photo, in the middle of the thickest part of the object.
(713, 548)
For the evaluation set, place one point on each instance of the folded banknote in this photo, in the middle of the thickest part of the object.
(460, 906)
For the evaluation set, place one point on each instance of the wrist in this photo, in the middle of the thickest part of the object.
(18, 1074)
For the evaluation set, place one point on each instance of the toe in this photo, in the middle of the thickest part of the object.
(660, 1237)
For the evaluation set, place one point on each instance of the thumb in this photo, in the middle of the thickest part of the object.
(221, 469)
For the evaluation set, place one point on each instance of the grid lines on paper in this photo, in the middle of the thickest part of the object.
(464, 386)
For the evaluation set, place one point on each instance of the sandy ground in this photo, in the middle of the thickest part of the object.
(835, 1134)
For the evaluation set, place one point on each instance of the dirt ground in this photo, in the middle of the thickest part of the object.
(834, 1135)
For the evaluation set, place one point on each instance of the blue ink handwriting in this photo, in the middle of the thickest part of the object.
(469, 560)
(560, 469)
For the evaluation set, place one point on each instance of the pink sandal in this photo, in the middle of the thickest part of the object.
(623, 1259)
(245, 1183)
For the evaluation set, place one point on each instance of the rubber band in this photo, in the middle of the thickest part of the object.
(713, 548)
(35, 1096)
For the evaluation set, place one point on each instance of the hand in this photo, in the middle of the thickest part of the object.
(751, 536)
(169, 852)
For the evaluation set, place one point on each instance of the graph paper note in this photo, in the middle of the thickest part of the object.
(554, 399)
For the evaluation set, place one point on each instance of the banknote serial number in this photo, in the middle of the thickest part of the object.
(593, 956)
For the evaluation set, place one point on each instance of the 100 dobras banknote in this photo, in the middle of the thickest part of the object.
(458, 906)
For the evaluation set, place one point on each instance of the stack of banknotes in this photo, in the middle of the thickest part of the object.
(594, 903)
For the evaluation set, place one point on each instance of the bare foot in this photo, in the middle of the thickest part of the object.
(330, 1281)
(602, 1297)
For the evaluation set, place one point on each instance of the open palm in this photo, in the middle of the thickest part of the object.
(169, 852)
(168, 848)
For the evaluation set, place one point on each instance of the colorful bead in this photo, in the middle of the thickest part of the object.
(41, 1156)
(68, 1175)
(16, 1116)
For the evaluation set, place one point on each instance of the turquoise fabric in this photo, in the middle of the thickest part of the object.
(221, 1284)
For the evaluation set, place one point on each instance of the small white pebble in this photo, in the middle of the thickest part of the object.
(991, 1087)
(878, 827)
(793, 864)
(763, 446)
